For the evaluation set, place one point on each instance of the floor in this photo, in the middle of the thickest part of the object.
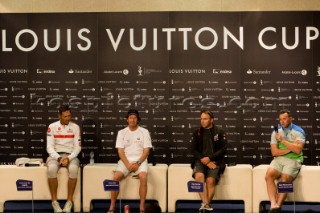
(181, 207)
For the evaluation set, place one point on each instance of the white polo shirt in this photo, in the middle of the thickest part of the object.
(133, 142)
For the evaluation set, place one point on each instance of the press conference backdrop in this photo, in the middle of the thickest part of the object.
(243, 66)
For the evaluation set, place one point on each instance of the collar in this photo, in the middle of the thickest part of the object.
(289, 128)
(60, 124)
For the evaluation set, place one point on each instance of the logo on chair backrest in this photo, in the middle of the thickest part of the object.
(284, 187)
(24, 185)
(111, 185)
(194, 186)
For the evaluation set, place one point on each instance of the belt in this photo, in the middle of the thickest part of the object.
(63, 153)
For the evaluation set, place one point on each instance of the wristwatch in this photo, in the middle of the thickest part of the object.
(139, 162)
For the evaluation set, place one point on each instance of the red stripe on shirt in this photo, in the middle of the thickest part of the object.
(63, 136)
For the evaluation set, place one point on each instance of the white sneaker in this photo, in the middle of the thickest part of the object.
(67, 206)
(56, 207)
(208, 207)
(202, 207)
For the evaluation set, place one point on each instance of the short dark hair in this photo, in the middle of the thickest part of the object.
(133, 112)
(64, 108)
(285, 111)
(208, 112)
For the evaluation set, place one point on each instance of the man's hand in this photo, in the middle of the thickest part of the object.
(278, 137)
(64, 161)
(205, 160)
(211, 165)
(296, 142)
(133, 167)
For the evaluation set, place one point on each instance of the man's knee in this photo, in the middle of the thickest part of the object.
(73, 172)
(143, 176)
(199, 177)
(52, 171)
(118, 176)
(210, 182)
(286, 178)
(272, 174)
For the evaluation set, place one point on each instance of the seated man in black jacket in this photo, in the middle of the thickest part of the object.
(209, 147)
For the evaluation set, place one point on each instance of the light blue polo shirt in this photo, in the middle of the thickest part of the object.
(291, 134)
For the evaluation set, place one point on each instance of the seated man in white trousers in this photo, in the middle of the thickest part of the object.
(63, 147)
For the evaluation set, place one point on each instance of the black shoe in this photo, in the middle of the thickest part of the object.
(275, 210)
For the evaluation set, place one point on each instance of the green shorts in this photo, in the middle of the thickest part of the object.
(286, 165)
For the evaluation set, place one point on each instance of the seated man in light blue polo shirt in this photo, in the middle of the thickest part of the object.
(287, 142)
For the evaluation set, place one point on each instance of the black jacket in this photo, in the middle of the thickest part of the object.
(219, 146)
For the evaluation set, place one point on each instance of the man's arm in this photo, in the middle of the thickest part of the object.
(50, 144)
(295, 147)
(275, 151)
(76, 143)
(123, 157)
(222, 147)
(145, 154)
(146, 146)
(195, 145)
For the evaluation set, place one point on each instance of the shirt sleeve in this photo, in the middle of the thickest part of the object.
(301, 137)
(119, 140)
(195, 149)
(50, 143)
(147, 141)
(221, 147)
(76, 143)
(273, 138)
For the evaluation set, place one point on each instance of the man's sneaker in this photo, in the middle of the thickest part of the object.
(56, 207)
(67, 206)
(208, 207)
(202, 206)
(275, 210)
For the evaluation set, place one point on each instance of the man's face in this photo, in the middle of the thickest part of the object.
(132, 121)
(65, 117)
(285, 120)
(206, 121)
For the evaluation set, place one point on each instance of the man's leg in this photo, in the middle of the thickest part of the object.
(282, 196)
(143, 189)
(199, 177)
(73, 169)
(210, 183)
(53, 186)
(271, 176)
(72, 182)
(118, 176)
(53, 167)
